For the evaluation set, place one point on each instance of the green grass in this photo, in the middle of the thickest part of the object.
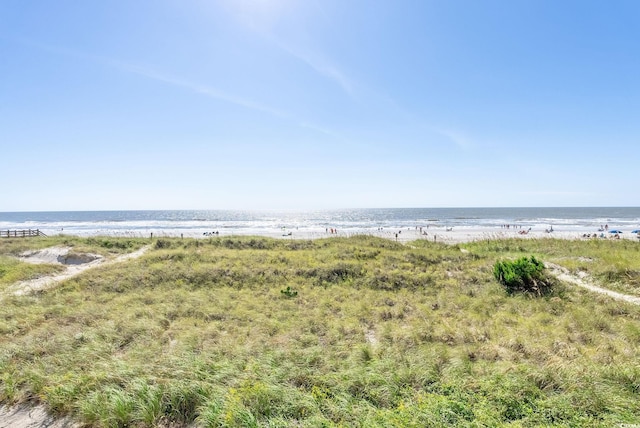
(613, 264)
(378, 334)
(98, 245)
(13, 270)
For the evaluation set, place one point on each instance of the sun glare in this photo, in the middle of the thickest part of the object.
(258, 14)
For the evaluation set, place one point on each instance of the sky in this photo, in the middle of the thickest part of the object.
(318, 104)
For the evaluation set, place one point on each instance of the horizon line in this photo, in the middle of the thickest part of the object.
(325, 209)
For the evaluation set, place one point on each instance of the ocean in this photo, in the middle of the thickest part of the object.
(193, 223)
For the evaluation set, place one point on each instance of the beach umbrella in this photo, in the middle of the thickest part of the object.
(635, 231)
(615, 231)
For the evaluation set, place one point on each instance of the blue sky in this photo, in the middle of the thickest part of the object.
(283, 104)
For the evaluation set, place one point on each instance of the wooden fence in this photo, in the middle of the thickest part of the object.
(20, 233)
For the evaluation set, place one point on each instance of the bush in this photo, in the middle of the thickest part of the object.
(163, 243)
(289, 292)
(524, 274)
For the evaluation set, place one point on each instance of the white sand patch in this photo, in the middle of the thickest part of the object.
(74, 268)
(48, 255)
(26, 416)
(58, 255)
(370, 337)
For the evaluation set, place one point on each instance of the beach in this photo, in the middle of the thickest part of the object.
(460, 235)
(454, 235)
(187, 332)
(470, 234)
(449, 225)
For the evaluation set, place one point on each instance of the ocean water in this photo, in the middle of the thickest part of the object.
(273, 223)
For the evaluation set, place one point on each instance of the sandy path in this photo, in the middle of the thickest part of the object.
(47, 282)
(564, 275)
(26, 416)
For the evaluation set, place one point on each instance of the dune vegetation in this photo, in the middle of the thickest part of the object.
(361, 331)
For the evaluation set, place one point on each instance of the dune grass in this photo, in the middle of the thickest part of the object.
(614, 264)
(98, 245)
(13, 270)
(362, 331)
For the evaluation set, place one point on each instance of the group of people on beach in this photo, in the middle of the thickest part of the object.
(595, 235)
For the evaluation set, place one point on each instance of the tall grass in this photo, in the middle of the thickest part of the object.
(378, 334)
(615, 264)
(13, 270)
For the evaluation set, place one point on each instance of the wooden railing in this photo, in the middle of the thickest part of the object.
(21, 233)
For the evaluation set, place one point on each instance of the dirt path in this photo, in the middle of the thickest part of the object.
(564, 275)
(47, 282)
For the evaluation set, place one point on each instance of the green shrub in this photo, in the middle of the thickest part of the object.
(289, 292)
(524, 274)
(163, 243)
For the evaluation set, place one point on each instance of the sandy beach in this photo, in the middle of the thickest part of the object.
(450, 225)
(449, 235)
(468, 234)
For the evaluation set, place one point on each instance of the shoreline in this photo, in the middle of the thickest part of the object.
(453, 235)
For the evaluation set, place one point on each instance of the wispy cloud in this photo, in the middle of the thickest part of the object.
(196, 87)
(321, 65)
(325, 131)
(205, 90)
(150, 73)
(459, 138)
